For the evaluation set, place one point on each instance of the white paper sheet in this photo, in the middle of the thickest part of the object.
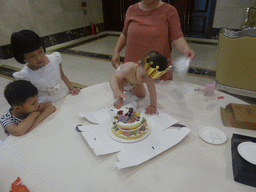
(149, 148)
(98, 117)
(95, 135)
(161, 137)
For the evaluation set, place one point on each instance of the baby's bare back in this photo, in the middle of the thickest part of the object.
(128, 71)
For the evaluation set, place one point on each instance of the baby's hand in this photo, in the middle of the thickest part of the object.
(120, 95)
(150, 110)
(75, 91)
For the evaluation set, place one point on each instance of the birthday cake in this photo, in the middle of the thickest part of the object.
(129, 124)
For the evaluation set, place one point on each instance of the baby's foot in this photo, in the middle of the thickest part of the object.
(118, 103)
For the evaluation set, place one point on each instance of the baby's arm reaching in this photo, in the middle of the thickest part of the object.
(117, 82)
(73, 90)
(46, 109)
(153, 98)
(23, 126)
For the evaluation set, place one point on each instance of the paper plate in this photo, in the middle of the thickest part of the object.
(248, 151)
(212, 135)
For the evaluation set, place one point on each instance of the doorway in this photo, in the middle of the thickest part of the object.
(196, 16)
(114, 13)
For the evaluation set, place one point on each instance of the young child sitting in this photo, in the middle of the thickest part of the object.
(25, 112)
(131, 76)
(43, 71)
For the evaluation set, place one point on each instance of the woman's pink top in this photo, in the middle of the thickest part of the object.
(150, 30)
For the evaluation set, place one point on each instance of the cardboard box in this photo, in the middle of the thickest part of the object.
(239, 116)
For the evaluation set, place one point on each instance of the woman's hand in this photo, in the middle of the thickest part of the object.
(115, 59)
(119, 46)
(189, 53)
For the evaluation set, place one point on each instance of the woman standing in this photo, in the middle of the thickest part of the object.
(151, 25)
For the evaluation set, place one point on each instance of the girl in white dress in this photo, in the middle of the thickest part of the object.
(43, 71)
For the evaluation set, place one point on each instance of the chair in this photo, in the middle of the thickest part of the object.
(236, 61)
(250, 18)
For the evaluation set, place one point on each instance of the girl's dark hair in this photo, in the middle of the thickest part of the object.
(23, 42)
(17, 92)
(158, 60)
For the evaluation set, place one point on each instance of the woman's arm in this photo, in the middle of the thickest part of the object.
(121, 42)
(74, 91)
(182, 46)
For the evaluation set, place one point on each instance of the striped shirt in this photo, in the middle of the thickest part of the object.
(7, 119)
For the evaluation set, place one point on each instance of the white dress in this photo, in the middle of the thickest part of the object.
(47, 79)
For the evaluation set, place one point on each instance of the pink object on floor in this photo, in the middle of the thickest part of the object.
(209, 89)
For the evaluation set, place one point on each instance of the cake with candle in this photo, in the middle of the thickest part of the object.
(129, 124)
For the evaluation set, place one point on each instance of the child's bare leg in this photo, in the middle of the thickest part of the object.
(139, 91)
(118, 103)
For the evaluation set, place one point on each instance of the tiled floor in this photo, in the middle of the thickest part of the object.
(87, 69)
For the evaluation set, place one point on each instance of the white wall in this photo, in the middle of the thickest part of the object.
(231, 13)
(46, 17)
